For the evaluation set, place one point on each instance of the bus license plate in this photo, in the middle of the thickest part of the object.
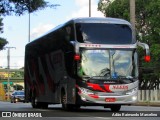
(110, 99)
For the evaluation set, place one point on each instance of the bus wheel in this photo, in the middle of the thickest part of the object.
(115, 108)
(34, 102)
(65, 106)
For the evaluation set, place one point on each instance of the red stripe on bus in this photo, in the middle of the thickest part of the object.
(96, 87)
(107, 88)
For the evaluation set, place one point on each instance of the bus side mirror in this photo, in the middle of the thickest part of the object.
(73, 43)
(147, 57)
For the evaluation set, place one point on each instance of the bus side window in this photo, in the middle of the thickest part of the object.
(79, 34)
(69, 33)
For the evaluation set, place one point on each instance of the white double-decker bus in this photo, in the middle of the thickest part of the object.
(84, 62)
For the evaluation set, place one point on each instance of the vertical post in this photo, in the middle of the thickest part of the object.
(152, 95)
(143, 95)
(8, 67)
(132, 15)
(89, 8)
(147, 95)
(29, 22)
(156, 95)
(29, 28)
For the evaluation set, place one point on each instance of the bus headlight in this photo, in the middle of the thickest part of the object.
(131, 91)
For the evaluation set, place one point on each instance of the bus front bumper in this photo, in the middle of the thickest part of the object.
(108, 98)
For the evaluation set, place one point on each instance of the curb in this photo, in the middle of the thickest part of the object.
(154, 104)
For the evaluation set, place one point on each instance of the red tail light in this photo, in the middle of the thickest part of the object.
(77, 57)
(147, 58)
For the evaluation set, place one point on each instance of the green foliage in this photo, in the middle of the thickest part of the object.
(117, 8)
(19, 7)
(18, 74)
(147, 17)
(3, 41)
(1, 25)
(147, 29)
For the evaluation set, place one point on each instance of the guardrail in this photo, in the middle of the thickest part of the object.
(11, 70)
(149, 96)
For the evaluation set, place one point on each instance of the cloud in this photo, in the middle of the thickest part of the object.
(82, 3)
(83, 10)
(40, 30)
(3, 62)
(16, 58)
(20, 63)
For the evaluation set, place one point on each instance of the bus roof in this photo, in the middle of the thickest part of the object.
(88, 20)
(93, 20)
(100, 20)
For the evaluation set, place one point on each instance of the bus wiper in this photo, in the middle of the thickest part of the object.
(104, 72)
(126, 77)
(87, 78)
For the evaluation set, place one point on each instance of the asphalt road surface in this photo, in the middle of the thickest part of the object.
(24, 110)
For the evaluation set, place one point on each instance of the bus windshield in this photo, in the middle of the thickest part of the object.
(103, 33)
(108, 63)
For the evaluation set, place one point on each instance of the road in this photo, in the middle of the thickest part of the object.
(85, 113)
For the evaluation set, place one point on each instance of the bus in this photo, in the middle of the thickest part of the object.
(84, 62)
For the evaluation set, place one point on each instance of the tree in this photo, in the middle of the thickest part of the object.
(19, 7)
(147, 28)
(147, 17)
(3, 41)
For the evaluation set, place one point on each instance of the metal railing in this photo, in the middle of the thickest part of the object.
(149, 96)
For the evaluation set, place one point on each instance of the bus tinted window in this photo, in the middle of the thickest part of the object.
(103, 33)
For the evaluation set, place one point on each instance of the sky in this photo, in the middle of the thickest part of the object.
(16, 28)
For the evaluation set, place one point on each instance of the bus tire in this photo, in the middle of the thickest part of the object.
(115, 108)
(65, 106)
(34, 102)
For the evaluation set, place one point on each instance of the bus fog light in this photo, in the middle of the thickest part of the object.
(134, 98)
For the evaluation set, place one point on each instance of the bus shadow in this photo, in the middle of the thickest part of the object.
(81, 110)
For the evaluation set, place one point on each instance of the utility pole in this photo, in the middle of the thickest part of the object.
(8, 68)
(132, 15)
(29, 28)
(89, 8)
(29, 20)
